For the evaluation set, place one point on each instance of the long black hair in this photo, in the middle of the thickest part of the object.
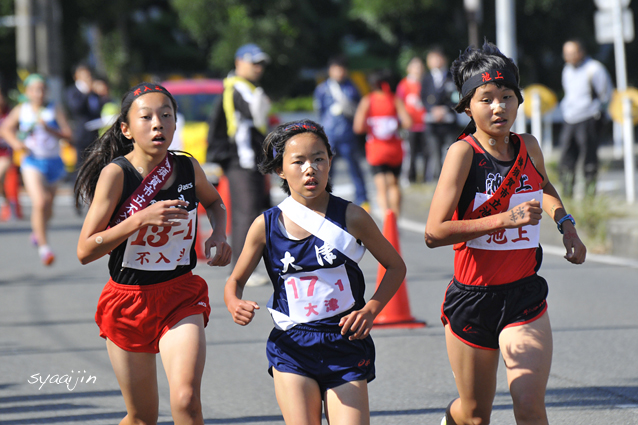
(275, 144)
(111, 144)
(475, 61)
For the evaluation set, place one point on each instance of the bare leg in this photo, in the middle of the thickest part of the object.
(183, 351)
(299, 398)
(347, 404)
(475, 375)
(137, 376)
(41, 200)
(382, 192)
(527, 352)
(394, 193)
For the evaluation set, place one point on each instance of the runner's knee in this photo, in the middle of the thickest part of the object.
(186, 401)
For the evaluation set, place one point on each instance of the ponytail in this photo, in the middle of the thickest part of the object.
(98, 155)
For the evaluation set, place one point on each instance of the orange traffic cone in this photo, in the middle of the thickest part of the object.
(201, 235)
(396, 314)
(224, 191)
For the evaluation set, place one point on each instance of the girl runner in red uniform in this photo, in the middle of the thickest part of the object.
(488, 204)
(143, 212)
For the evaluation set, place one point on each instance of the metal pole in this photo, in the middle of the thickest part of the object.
(506, 42)
(25, 35)
(537, 117)
(621, 83)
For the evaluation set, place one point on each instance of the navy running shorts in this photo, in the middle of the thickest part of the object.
(478, 314)
(321, 354)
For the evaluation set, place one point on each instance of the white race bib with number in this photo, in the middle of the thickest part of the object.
(318, 294)
(157, 248)
(525, 237)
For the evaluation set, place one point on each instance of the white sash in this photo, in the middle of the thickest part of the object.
(322, 228)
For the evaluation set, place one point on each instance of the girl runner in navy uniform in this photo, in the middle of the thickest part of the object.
(320, 348)
(143, 212)
(488, 203)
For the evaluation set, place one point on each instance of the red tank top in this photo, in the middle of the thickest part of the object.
(383, 145)
(507, 255)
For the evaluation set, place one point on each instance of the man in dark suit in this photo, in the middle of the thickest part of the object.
(437, 89)
(84, 105)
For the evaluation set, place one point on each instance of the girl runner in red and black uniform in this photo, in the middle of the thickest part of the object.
(143, 212)
(488, 204)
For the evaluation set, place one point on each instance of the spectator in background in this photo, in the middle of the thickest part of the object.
(409, 91)
(246, 108)
(588, 90)
(336, 101)
(84, 106)
(441, 130)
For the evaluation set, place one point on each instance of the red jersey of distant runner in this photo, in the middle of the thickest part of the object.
(494, 186)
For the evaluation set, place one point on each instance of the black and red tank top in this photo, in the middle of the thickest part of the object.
(155, 254)
(506, 255)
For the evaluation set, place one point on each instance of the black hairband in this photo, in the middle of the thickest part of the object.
(301, 126)
(498, 76)
(144, 88)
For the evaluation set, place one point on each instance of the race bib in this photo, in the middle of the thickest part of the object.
(318, 294)
(507, 239)
(383, 128)
(157, 248)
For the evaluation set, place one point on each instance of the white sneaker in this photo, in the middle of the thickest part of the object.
(257, 279)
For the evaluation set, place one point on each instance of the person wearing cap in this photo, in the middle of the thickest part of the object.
(336, 100)
(246, 107)
(34, 128)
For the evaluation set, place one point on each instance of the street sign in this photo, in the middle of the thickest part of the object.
(604, 25)
(608, 4)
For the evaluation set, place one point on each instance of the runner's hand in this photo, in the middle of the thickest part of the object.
(242, 311)
(164, 213)
(576, 250)
(358, 322)
(222, 251)
(527, 213)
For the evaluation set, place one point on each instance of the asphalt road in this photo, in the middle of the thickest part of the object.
(54, 368)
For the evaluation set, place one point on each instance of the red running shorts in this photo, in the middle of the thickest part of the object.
(135, 317)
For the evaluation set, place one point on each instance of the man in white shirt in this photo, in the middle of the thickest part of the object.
(588, 89)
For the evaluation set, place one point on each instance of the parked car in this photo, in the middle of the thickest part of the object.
(195, 100)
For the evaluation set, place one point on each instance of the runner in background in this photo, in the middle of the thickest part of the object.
(34, 129)
(9, 174)
(381, 114)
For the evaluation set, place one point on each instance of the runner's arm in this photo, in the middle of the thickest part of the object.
(553, 205)
(212, 202)
(359, 124)
(241, 310)
(9, 128)
(363, 227)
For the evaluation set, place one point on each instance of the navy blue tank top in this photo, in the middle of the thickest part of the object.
(285, 257)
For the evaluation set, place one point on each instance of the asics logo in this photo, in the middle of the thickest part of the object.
(184, 187)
